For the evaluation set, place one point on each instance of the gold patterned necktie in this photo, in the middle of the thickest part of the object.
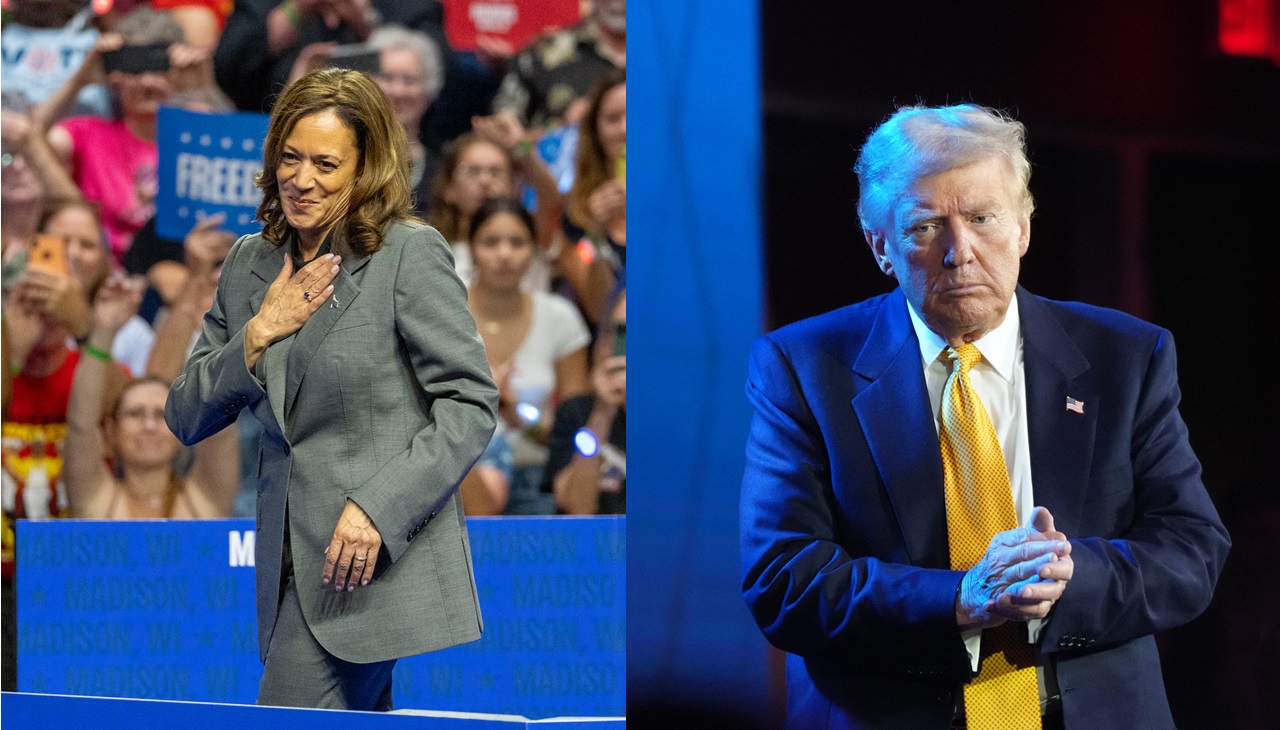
(1005, 693)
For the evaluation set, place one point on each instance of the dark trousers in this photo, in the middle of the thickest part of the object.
(301, 673)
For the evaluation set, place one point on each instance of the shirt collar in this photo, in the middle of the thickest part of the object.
(331, 240)
(999, 347)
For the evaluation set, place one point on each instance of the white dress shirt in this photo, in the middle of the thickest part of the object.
(999, 381)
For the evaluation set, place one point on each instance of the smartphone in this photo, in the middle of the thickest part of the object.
(620, 338)
(48, 254)
(151, 58)
(357, 57)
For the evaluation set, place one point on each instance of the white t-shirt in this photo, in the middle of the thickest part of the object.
(556, 329)
(132, 345)
(38, 60)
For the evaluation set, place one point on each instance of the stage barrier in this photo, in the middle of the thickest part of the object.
(54, 712)
(164, 610)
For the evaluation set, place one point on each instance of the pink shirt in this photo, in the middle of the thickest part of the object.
(118, 170)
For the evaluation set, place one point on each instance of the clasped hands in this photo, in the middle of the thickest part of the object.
(1023, 573)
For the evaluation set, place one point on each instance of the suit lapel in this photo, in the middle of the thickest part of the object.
(1061, 440)
(345, 290)
(894, 411)
(266, 268)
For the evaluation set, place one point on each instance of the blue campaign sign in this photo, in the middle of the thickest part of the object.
(207, 166)
(165, 610)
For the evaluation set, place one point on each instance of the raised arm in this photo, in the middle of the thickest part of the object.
(504, 130)
(215, 384)
(205, 248)
(56, 106)
(88, 481)
(43, 161)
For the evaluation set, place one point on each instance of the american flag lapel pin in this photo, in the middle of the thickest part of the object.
(1075, 406)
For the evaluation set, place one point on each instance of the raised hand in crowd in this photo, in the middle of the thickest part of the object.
(207, 245)
(97, 381)
(23, 329)
(312, 56)
(608, 204)
(191, 67)
(204, 249)
(29, 140)
(502, 129)
(116, 302)
(505, 131)
(287, 17)
(59, 297)
(355, 13)
(90, 71)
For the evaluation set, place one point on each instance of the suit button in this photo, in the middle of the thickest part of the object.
(429, 517)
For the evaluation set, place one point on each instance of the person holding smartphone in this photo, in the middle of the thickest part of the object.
(587, 466)
(114, 162)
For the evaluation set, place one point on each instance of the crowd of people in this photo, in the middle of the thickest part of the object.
(517, 156)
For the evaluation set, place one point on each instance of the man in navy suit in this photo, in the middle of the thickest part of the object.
(844, 531)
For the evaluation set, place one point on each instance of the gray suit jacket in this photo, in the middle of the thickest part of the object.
(384, 397)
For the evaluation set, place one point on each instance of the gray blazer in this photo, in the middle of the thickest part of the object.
(384, 397)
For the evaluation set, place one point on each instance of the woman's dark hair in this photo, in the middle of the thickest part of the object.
(498, 206)
(381, 189)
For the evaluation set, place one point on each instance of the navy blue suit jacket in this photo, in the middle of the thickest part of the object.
(844, 530)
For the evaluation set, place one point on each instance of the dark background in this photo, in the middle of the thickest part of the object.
(1156, 170)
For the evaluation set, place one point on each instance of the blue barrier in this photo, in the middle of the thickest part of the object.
(54, 712)
(165, 610)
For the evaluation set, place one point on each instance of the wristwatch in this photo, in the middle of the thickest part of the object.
(586, 442)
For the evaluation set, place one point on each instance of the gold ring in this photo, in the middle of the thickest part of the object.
(360, 558)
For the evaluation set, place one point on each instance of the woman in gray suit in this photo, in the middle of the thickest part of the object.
(344, 328)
